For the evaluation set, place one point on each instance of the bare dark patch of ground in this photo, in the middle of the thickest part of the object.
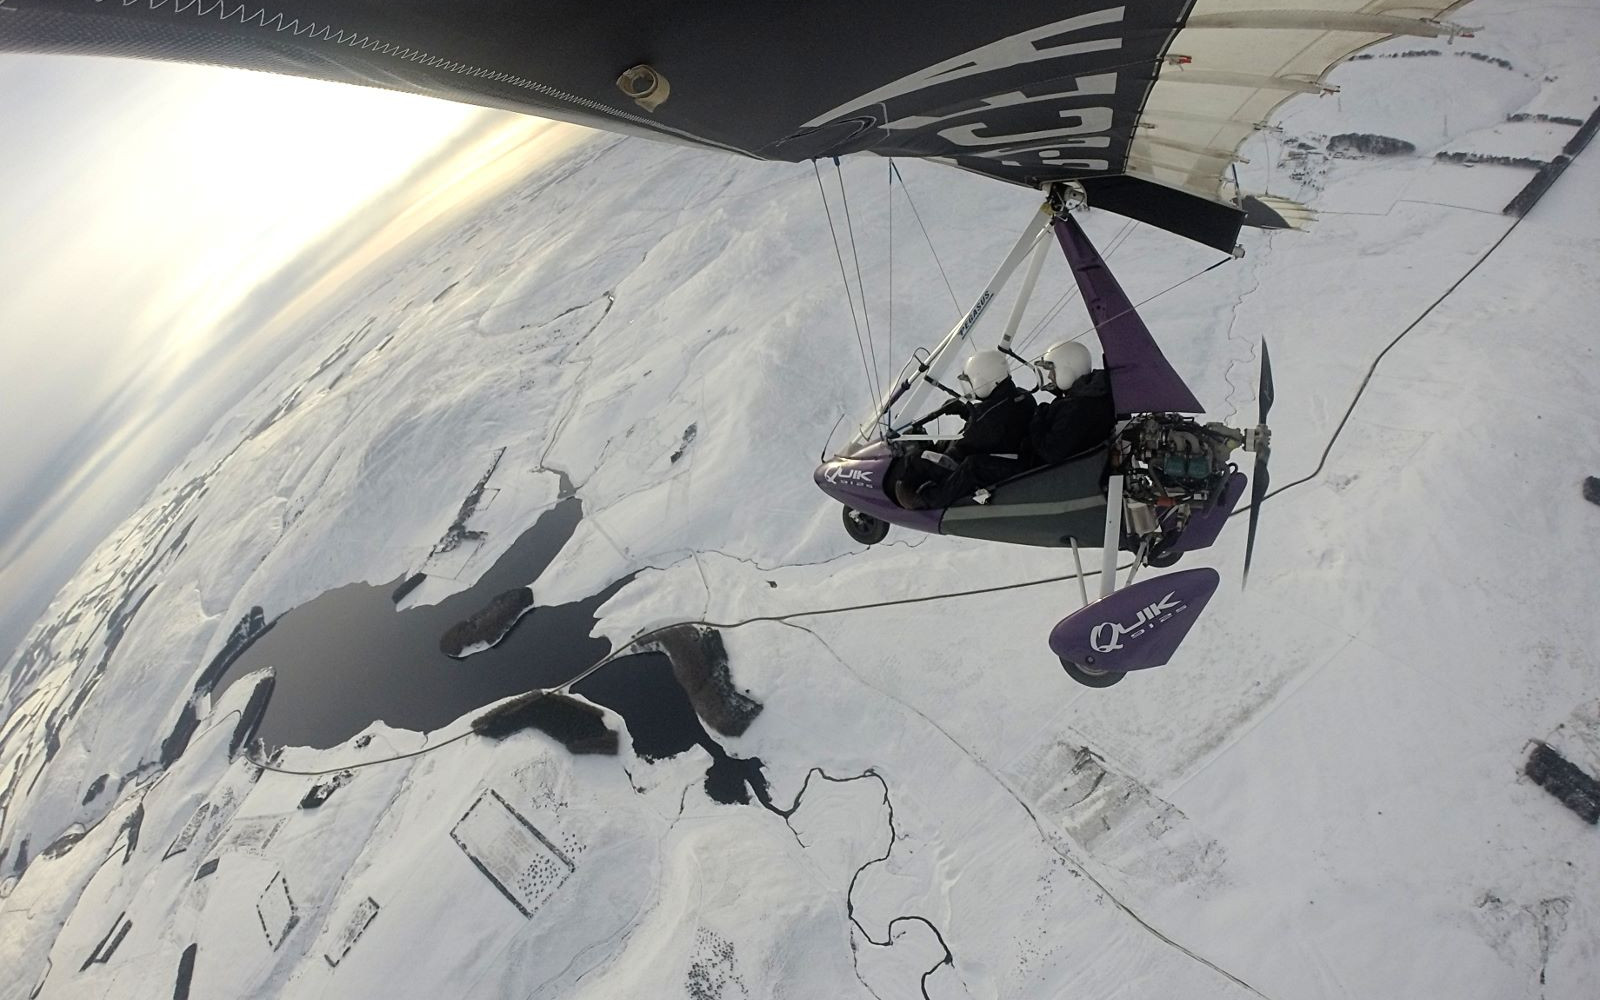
(180, 989)
(1565, 780)
(1473, 159)
(576, 725)
(489, 626)
(1369, 144)
(95, 788)
(1408, 54)
(700, 664)
(1523, 116)
(688, 438)
(323, 790)
(411, 583)
(250, 628)
(458, 531)
(250, 718)
(62, 844)
(178, 740)
(1535, 189)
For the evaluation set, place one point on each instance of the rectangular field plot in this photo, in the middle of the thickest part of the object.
(354, 926)
(251, 836)
(277, 911)
(190, 830)
(510, 852)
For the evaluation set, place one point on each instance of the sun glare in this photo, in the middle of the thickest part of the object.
(143, 203)
(235, 177)
(242, 175)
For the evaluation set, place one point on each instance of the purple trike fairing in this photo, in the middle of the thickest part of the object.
(1137, 627)
(1206, 524)
(860, 482)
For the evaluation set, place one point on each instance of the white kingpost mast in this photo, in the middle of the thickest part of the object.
(1035, 264)
(918, 382)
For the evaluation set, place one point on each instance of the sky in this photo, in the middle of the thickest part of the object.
(158, 223)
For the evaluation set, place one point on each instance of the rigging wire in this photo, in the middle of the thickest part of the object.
(891, 266)
(866, 314)
(1071, 293)
(1212, 267)
(1266, 143)
(1048, 318)
(1123, 235)
(1372, 369)
(872, 385)
(1116, 243)
(909, 201)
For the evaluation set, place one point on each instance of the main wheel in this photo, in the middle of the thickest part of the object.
(864, 528)
(1090, 677)
(1161, 560)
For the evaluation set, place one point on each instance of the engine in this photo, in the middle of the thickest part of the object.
(1170, 460)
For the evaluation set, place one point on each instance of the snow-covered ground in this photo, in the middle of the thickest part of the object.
(1321, 797)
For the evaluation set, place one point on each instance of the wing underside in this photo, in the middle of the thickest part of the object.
(1145, 103)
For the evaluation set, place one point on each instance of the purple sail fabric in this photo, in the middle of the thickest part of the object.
(1137, 627)
(1142, 381)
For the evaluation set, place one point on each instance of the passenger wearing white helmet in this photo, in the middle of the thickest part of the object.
(1082, 413)
(1065, 363)
(998, 414)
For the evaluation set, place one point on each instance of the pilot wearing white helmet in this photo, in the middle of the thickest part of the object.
(998, 413)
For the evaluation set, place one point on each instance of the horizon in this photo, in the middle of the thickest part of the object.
(236, 198)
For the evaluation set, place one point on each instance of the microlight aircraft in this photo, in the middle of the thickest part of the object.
(1159, 485)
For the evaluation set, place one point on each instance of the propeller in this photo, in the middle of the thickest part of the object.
(1259, 479)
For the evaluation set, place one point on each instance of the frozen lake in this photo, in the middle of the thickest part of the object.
(349, 658)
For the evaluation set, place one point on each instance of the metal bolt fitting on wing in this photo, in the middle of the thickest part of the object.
(645, 85)
(1065, 197)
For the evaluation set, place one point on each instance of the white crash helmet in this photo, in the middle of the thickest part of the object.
(1066, 362)
(985, 370)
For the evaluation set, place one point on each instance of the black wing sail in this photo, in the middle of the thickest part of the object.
(1143, 103)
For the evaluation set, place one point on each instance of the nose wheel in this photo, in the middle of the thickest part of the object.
(864, 528)
(1090, 677)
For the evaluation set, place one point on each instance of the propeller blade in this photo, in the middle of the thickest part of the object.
(1265, 395)
(1259, 481)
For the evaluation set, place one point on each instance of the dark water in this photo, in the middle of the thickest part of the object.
(642, 690)
(662, 722)
(348, 657)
